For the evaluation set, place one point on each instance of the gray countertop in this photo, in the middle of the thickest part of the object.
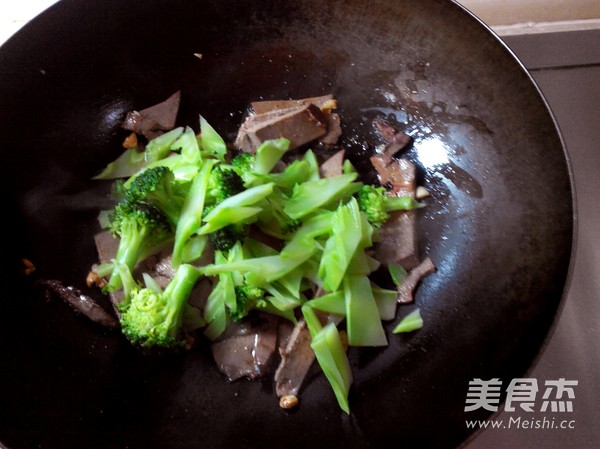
(566, 67)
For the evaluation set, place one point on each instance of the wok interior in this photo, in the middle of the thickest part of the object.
(498, 224)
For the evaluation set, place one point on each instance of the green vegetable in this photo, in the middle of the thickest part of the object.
(347, 237)
(376, 204)
(160, 147)
(213, 144)
(268, 154)
(397, 272)
(127, 164)
(311, 195)
(411, 322)
(235, 209)
(157, 186)
(363, 322)
(243, 164)
(215, 311)
(153, 319)
(246, 298)
(139, 227)
(191, 211)
(329, 351)
(315, 235)
(224, 183)
(187, 145)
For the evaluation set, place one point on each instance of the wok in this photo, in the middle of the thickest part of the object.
(499, 224)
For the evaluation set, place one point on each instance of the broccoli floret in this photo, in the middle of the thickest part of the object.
(223, 239)
(243, 163)
(246, 298)
(153, 319)
(157, 186)
(139, 227)
(223, 183)
(376, 204)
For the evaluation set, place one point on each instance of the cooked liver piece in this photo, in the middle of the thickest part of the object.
(296, 360)
(260, 107)
(333, 165)
(160, 117)
(300, 121)
(300, 126)
(395, 140)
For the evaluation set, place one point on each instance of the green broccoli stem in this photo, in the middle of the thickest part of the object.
(311, 195)
(331, 356)
(363, 322)
(268, 154)
(131, 245)
(160, 147)
(215, 311)
(178, 291)
(191, 212)
(393, 203)
(411, 322)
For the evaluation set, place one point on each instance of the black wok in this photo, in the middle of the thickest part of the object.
(499, 224)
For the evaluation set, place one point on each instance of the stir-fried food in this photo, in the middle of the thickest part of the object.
(270, 257)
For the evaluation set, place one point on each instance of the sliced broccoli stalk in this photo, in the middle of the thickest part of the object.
(311, 158)
(194, 248)
(347, 238)
(281, 298)
(269, 268)
(376, 204)
(362, 264)
(215, 311)
(331, 356)
(311, 195)
(397, 273)
(347, 167)
(258, 249)
(212, 143)
(139, 227)
(269, 308)
(268, 154)
(187, 145)
(156, 186)
(192, 319)
(293, 282)
(160, 147)
(334, 302)
(155, 319)
(127, 164)
(236, 209)
(387, 302)
(363, 322)
(191, 212)
(411, 322)
(150, 283)
(228, 216)
(261, 270)
(295, 173)
(272, 220)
